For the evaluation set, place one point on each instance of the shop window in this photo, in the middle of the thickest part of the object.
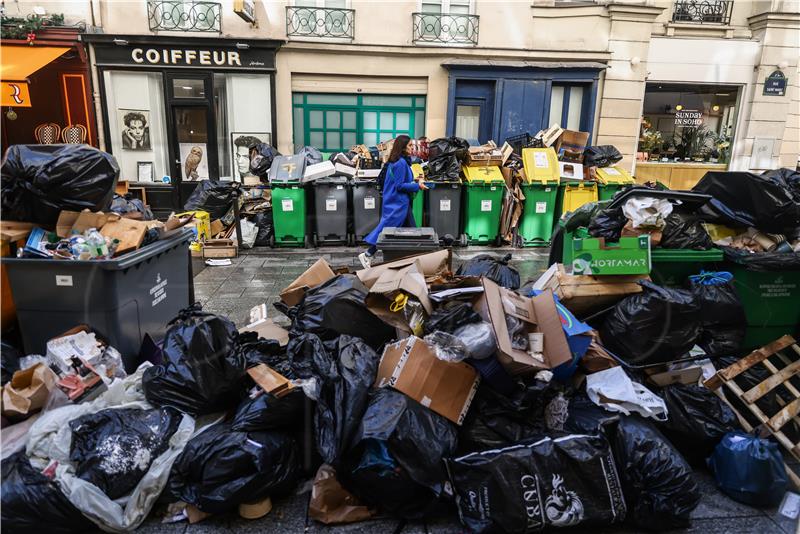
(188, 88)
(136, 123)
(567, 103)
(334, 123)
(688, 123)
(468, 121)
(244, 117)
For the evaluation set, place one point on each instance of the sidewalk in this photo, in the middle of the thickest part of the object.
(258, 276)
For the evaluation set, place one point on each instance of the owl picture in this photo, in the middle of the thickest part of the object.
(193, 160)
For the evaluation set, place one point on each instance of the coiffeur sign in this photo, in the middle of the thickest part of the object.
(235, 56)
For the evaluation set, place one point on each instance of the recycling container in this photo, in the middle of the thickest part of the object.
(330, 210)
(288, 214)
(366, 207)
(483, 198)
(576, 193)
(610, 180)
(671, 267)
(444, 210)
(122, 298)
(396, 243)
(770, 298)
(417, 207)
(541, 190)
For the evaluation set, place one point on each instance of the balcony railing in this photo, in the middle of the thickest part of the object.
(184, 16)
(322, 22)
(445, 29)
(703, 11)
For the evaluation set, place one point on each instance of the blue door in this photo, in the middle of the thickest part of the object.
(521, 108)
(474, 110)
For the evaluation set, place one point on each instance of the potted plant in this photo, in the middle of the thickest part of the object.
(649, 142)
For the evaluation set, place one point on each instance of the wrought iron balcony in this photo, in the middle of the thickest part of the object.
(445, 29)
(320, 22)
(703, 11)
(184, 16)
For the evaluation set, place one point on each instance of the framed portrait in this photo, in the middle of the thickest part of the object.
(144, 171)
(241, 142)
(194, 161)
(134, 127)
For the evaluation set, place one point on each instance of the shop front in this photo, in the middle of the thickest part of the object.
(46, 90)
(497, 100)
(177, 111)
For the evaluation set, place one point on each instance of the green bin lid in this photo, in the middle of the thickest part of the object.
(685, 255)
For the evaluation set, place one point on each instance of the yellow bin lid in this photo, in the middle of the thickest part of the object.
(613, 176)
(483, 174)
(540, 164)
(416, 169)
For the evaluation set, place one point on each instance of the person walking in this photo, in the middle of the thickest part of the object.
(398, 189)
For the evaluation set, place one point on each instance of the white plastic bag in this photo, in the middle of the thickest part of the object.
(249, 233)
(614, 391)
(647, 212)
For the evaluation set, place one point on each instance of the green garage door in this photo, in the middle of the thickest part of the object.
(335, 122)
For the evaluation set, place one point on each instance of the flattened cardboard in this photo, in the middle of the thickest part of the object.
(129, 232)
(66, 220)
(28, 391)
(411, 367)
(317, 274)
(689, 375)
(540, 315)
(432, 264)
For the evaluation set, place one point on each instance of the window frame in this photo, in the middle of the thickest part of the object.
(583, 125)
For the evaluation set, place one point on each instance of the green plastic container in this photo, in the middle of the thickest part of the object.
(482, 217)
(607, 192)
(756, 337)
(671, 267)
(770, 299)
(536, 224)
(416, 207)
(289, 214)
(593, 256)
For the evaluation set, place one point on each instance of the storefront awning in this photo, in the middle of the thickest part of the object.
(19, 62)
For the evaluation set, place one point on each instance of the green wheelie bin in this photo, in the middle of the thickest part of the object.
(288, 215)
(540, 188)
(483, 198)
(610, 180)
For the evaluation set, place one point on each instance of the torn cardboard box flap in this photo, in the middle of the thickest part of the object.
(408, 281)
(411, 367)
(28, 391)
(432, 264)
(317, 274)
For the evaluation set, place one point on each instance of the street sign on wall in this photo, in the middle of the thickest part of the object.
(775, 84)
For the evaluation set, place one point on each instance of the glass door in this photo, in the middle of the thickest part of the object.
(192, 143)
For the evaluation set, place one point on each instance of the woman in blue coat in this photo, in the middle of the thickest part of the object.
(398, 188)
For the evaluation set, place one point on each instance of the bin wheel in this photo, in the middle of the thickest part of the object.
(463, 240)
(307, 242)
(351, 240)
(316, 241)
(498, 241)
(272, 241)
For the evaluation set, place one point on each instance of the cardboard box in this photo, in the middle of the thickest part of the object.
(689, 375)
(216, 227)
(129, 232)
(317, 274)
(28, 391)
(571, 145)
(220, 248)
(368, 173)
(88, 219)
(345, 170)
(550, 136)
(411, 367)
(583, 294)
(319, 170)
(431, 264)
(66, 220)
(539, 314)
(408, 280)
(630, 255)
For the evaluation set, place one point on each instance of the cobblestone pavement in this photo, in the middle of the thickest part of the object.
(259, 275)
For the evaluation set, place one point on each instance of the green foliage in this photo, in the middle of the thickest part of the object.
(20, 27)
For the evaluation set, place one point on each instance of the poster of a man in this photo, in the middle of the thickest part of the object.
(243, 144)
(135, 129)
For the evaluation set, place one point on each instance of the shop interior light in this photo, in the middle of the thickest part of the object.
(121, 42)
(242, 46)
(679, 107)
(186, 87)
(715, 107)
(722, 94)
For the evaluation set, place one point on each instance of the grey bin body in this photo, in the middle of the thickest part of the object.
(331, 209)
(366, 207)
(444, 209)
(396, 243)
(122, 299)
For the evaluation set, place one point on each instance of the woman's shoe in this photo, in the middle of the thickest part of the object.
(366, 261)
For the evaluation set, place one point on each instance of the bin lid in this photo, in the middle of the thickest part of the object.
(416, 169)
(613, 176)
(331, 180)
(540, 165)
(660, 255)
(490, 174)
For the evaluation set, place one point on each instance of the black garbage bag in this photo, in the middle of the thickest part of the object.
(38, 181)
(220, 468)
(448, 145)
(128, 204)
(33, 503)
(608, 223)
(311, 154)
(261, 161)
(444, 168)
(344, 370)
(763, 261)
(9, 361)
(113, 448)
(202, 372)
(496, 420)
(255, 350)
(786, 178)
(263, 220)
(213, 196)
(495, 269)
(267, 412)
(723, 319)
(601, 156)
(410, 438)
(659, 490)
(696, 420)
(658, 325)
(683, 230)
(773, 206)
(450, 317)
(560, 482)
(338, 307)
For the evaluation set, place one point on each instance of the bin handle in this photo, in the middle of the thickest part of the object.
(604, 246)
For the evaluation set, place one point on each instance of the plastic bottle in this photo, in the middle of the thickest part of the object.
(97, 243)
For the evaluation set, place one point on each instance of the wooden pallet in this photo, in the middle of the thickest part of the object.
(782, 368)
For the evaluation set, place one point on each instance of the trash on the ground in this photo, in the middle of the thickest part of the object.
(749, 469)
(412, 367)
(614, 391)
(215, 249)
(790, 505)
(647, 212)
(562, 482)
(315, 275)
(331, 503)
(28, 391)
(215, 197)
(218, 262)
(394, 292)
(495, 269)
(723, 324)
(685, 375)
